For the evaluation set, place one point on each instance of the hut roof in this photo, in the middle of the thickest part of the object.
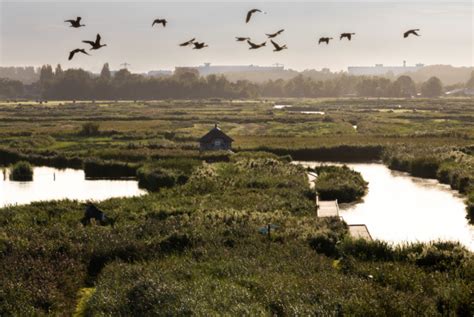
(215, 133)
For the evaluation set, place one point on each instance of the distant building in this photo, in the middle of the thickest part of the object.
(159, 73)
(208, 69)
(380, 69)
(215, 140)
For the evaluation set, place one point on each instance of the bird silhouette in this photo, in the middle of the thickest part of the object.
(160, 21)
(191, 41)
(278, 47)
(270, 36)
(413, 31)
(77, 50)
(346, 35)
(75, 23)
(198, 46)
(95, 45)
(254, 46)
(324, 40)
(242, 39)
(250, 13)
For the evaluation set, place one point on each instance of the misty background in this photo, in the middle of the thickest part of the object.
(33, 33)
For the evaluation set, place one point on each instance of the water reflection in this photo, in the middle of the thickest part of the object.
(53, 184)
(400, 208)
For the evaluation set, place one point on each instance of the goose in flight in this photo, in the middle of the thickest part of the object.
(324, 40)
(198, 46)
(250, 13)
(191, 41)
(95, 45)
(77, 50)
(278, 47)
(270, 36)
(413, 31)
(75, 23)
(346, 35)
(242, 39)
(159, 21)
(254, 46)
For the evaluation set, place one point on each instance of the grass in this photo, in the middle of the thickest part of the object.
(195, 247)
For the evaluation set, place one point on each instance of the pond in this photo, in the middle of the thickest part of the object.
(400, 208)
(54, 184)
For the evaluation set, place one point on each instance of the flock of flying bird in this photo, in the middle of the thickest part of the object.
(95, 45)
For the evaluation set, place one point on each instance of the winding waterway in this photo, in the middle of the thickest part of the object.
(399, 208)
(54, 184)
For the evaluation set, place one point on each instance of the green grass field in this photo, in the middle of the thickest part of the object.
(196, 246)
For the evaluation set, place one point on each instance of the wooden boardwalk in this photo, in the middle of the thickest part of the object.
(360, 232)
(327, 208)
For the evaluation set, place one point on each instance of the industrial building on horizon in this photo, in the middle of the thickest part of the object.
(380, 69)
(208, 69)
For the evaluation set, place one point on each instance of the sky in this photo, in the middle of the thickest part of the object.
(32, 33)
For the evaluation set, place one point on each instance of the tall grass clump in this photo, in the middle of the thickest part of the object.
(339, 182)
(21, 171)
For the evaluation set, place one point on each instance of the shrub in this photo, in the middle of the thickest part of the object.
(325, 243)
(109, 169)
(89, 129)
(367, 250)
(21, 171)
(341, 183)
(156, 178)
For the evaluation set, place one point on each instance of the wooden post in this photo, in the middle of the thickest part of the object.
(317, 204)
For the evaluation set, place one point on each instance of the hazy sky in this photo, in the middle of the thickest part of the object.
(33, 33)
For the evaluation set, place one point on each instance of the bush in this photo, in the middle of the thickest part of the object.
(325, 243)
(154, 179)
(109, 169)
(341, 183)
(21, 171)
(89, 129)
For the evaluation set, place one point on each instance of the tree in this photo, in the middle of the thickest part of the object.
(432, 88)
(59, 71)
(46, 74)
(105, 73)
(470, 82)
(403, 87)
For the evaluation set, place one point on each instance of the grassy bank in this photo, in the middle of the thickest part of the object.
(200, 249)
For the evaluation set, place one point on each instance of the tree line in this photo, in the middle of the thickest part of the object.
(186, 83)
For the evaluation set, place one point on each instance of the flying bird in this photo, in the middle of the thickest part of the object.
(270, 36)
(324, 40)
(413, 31)
(250, 13)
(75, 23)
(198, 46)
(242, 39)
(159, 21)
(95, 45)
(77, 50)
(346, 35)
(191, 41)
(254, 46)
(278, 47)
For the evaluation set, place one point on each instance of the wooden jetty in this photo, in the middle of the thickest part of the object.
(327, 208)
(360, 231)
(330, 208)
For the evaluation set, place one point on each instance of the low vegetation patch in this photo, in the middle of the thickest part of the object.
(339, 182)
(21, 171)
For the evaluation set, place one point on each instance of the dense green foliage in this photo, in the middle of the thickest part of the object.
(186, 83)
(21, 171)
(339, 182)
(198, 249)
(196, 246)
(166, 173)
